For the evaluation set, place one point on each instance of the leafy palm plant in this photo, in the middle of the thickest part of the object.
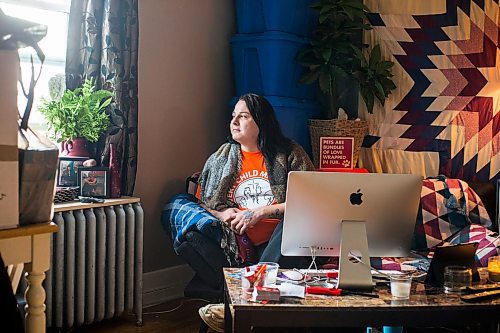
(374, 77)
(335, 55)
(78, 113)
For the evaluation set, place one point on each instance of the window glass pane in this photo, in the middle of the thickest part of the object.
(53, 45)
(41, 90)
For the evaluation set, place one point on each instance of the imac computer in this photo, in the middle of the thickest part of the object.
(350, 215)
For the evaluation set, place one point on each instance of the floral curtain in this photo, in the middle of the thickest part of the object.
(102, 46)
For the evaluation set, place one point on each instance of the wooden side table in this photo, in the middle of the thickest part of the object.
(30, 245)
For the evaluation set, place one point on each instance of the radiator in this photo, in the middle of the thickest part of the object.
(96, 265)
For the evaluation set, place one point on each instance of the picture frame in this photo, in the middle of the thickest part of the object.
(67, 170)
(94, 182)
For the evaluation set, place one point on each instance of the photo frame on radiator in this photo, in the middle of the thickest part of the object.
(94, 182)
(67, 170)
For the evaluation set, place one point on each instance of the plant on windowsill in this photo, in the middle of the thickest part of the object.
(335, 59)
(77, 116)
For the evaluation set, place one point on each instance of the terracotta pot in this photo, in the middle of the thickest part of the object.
(77, 147)
(63, 149)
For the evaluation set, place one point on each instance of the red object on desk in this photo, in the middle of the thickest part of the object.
(355, 170)
(324, 291)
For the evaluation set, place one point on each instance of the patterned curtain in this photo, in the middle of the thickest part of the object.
(444, 116)
(102, 45)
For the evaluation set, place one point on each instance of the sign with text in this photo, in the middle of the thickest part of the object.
(336, 152)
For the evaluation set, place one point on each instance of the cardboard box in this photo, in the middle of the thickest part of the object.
(9, 167)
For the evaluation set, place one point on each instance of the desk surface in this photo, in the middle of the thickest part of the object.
(426, 307)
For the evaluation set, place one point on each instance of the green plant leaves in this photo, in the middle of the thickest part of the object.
(324, 82)
(374, 77)
(310, 77)
(335, 52)
(375, 56)
(79, 113)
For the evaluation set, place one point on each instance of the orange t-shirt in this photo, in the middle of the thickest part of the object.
(253, 190)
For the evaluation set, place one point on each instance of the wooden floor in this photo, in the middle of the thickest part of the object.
(185, 319)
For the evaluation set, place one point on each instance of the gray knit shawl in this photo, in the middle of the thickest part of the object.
(223, 168)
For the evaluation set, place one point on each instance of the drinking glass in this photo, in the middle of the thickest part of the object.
(401, 286)
(271, 272)
(456, 278)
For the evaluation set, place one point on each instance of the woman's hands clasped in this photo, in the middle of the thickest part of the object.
(238, 220)
(244, 219)
(227, 215)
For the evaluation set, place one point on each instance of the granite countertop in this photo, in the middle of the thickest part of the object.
(421, 296)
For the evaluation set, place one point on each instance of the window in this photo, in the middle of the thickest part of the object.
(54, 14)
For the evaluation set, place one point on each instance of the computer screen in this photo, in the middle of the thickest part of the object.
(317, 203)
(350, 215)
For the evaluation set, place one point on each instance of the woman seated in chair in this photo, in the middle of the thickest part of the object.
(243, 184)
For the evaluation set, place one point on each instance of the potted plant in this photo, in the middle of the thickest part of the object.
(77, 117)
(335, 59)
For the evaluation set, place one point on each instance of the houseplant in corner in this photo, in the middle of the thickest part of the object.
(77, 117)
(335, 58)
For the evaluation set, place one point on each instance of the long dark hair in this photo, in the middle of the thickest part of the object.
(271, 139)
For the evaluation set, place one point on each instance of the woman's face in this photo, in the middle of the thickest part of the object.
(243, 128)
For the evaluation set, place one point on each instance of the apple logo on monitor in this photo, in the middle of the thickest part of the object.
(355, 198)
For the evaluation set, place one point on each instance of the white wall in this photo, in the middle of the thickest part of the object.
(185, 84)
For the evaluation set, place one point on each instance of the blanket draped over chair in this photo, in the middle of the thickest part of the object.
(452, 213)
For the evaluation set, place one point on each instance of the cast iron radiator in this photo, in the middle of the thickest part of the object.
(96, 265)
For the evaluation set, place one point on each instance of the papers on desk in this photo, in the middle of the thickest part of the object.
(291, 290)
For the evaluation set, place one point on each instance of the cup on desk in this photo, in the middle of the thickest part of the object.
(271, 272)
(494, 269)
(456, 278)
(401, 286)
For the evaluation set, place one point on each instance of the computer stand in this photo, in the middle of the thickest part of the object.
(354, 261)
